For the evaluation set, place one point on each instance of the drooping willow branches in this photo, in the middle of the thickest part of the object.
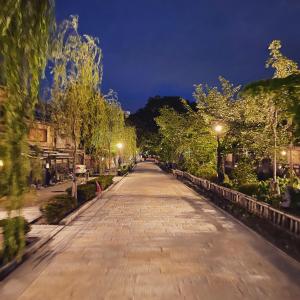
(25, 28)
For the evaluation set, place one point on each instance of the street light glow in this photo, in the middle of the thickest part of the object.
(283, 153)
(218, 128)
(1, 163)
(119, 145)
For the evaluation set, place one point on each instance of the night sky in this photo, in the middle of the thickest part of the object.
(164, 47)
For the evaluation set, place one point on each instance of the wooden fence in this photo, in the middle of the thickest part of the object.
(261, 209)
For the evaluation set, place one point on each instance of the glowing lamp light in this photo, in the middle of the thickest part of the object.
(1, 163)
(119, 145)
(218, 128)
(283, 153)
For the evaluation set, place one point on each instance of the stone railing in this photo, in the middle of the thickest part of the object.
(286, 221)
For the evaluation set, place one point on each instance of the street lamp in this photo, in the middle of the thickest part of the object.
(218, 128)
(283, 153)
(1, 164)
(120, 147)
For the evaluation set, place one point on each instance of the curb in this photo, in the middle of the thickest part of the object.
(68, 219)
(11, 266)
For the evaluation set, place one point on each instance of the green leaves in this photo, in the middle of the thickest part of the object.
(283, 66)
(25, 28)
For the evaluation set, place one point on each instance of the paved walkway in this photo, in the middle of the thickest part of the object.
(151, 237)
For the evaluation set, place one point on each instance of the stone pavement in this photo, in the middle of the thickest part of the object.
(151, 237)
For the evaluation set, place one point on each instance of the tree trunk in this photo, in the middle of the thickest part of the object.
(291, 159)
(275, 147)
(276, 186)
(109, 158)
(220, 162)
(74, 184)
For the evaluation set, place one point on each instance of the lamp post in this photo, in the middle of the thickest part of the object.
(220, 163)
(289, 158)
(120, 147)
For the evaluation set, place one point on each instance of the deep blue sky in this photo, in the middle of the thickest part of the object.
(164, 47)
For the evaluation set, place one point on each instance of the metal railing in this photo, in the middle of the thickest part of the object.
(263, 210)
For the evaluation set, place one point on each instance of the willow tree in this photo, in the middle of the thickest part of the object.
(115, 124)
(25, 28)
(128, 139)
(97, 143)
(77, 74)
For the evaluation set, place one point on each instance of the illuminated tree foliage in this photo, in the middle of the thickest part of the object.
(256, 121)
(282, 65)
(273, 105)
(187, 141)
(109, 128)
(77, 73)
(24, 39)
(220, 107)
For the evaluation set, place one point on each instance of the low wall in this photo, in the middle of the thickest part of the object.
(286, 221)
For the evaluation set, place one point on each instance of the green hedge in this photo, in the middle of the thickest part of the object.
(87, 191)
(125, 169)
(104, 180)
(58, 207)
(250, 189)
(13, 241)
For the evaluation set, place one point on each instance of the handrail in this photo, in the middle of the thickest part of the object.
(284, 220)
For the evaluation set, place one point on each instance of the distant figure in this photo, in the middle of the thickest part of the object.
(47, 177)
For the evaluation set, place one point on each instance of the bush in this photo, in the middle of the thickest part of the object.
(295, 198)
(13, 240)
(244, 174)
(123, 170)
(86, 192)
(207, 172)
(263, 192)
(104, 180)
(57, 208)
(250, 189)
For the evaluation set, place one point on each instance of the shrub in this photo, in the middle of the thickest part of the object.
(295, 198)
(13, 241)
(104, 180)
(244, 174)
(85, 192)
(250, 189)
(58, 207)
(207, 172)
(263, 192)
(123, 170)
